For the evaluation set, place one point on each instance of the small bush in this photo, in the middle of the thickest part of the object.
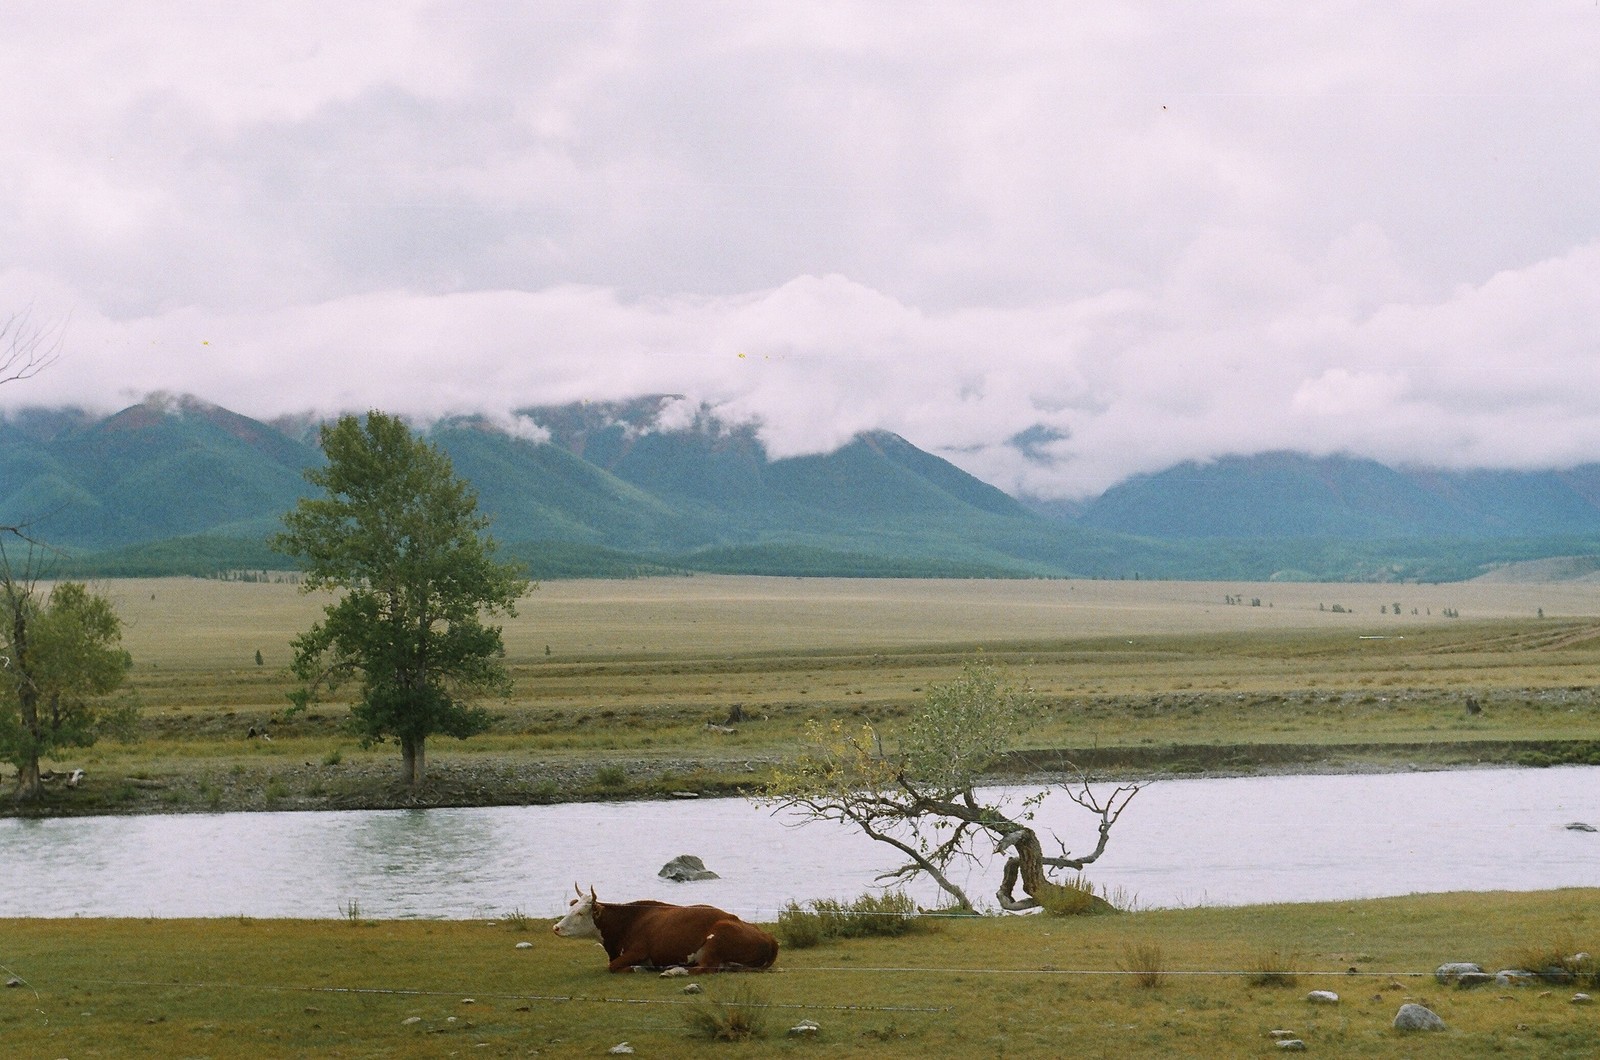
(517, 919)
(1076, 897)
(1558, 962)
(611, 776)
(820, 920)
(1274, 968)
(741, 1017)
(333, 757)
(1144, 961)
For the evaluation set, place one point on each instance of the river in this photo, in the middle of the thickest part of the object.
(1228, 841)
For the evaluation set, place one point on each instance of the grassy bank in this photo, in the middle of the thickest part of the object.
(654, 686)
(987, 987)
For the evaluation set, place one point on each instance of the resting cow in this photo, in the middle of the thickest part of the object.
(657, 935)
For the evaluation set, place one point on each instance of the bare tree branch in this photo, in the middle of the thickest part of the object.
(27, 348)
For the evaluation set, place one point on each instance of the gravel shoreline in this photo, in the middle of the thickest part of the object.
(513, 779)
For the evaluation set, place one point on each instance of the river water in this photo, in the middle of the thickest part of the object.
(1181, 842)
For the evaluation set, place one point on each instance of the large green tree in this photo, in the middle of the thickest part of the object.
(61, 660)
(399, 536)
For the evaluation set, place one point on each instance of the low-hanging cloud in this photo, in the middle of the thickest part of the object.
(1056, 246)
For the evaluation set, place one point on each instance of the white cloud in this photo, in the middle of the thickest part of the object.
(1129, 235)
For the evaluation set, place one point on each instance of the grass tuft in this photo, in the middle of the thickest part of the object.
(741, 1017)
(1144, 960)
(1274, 968)
(1075, 897)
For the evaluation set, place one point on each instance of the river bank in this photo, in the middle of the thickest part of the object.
(370, 780)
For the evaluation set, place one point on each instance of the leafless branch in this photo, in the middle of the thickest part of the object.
(27, 348)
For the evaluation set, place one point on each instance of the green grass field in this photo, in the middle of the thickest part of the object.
(1014, 987)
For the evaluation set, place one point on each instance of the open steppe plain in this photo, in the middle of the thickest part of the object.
(697, 684)
(630, 688)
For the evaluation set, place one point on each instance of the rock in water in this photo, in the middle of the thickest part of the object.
(686, 867)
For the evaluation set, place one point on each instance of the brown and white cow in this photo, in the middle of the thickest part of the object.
(650, 934)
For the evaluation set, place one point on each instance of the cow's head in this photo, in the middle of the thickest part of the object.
(579, 923)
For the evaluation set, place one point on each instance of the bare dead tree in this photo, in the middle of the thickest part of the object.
(923, 799)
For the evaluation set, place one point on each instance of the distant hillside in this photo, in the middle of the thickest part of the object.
(1294, 496)
(175, 485)
(169, 483)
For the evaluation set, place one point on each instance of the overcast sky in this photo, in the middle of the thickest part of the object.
(1055, 243)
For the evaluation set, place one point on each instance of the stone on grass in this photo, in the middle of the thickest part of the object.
(1323, 997)
(804, 1029)
(1582, 999)
(524, 945)
(1468, 980)
(621, 1049)
(1449, 973)
(1291, 1045)
(1414, 1017)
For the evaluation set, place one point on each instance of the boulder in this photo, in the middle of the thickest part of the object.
(1449, 973)
(1323, 997)
(1470, 980)
(685, 868)
(1414, 1017)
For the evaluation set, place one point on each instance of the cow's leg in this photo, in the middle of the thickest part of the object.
(626, 960)
(706, 958)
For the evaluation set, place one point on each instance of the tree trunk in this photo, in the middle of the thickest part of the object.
(413, 752)
(29, 787)
(1026, 865)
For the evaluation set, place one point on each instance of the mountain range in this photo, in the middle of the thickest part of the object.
(178, 485)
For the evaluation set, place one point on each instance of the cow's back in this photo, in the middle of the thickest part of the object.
(658, 934)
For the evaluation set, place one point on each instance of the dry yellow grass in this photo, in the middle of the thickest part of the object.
(195, 623)
(631, 673)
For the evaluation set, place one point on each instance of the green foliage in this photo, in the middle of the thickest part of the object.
(869, 916)
(63, 659)
(963, 726)
(399, 535)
